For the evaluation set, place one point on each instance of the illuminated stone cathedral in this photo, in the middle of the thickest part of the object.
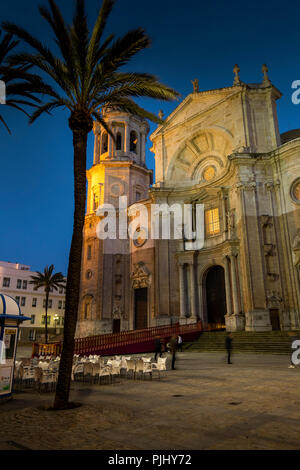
(221, 148)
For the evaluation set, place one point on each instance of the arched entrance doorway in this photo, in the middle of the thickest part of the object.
(215, 295)
(140, 308)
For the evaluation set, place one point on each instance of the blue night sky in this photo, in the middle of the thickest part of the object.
(189, 40)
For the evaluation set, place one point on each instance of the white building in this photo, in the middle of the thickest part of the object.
(15, 282)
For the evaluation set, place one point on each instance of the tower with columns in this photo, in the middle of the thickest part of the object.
(119, 169)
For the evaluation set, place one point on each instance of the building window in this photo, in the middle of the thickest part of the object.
(24, 285)
(44, 319)
(49, 303)
(6, 282)
(59, 304)
(34, 301)
(23, 301)
(119, 141)
(62, 321)
(89, 252)
(212, 221)
(61, 289)
(32, 335)
(18, 299)
(133, 141)
(295, 191)
(86, 311)
(32, 321)
(95, 201)
(104, 142)
(19, 284)
(138, 196)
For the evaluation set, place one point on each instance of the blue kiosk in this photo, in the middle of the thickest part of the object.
(10, 320)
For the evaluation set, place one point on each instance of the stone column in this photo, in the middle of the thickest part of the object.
(234, 285)
(193, 292)
(227, 286)
(143, 148)
(95, 146)
(110, 146)
(182, 292)
(127, 139)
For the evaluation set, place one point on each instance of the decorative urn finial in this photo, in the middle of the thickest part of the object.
(161, 114)
(195, 85)
(265, 70)
(236, 72)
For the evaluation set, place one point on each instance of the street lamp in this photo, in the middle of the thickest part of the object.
(56, 318)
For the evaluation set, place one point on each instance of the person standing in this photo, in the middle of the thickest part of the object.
(173, 348)
(179, 341)
(228, 346)
(157, 347)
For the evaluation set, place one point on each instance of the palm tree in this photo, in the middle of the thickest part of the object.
(19, 82)
(84, 79)
(49, 281)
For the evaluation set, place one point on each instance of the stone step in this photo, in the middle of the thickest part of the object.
(275, 342)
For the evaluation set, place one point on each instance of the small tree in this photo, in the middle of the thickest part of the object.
(49, 281)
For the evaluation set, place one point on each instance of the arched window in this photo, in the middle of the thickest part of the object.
(119, 141)
(133, 141)
(104, 148)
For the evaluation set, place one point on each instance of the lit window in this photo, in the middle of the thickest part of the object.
(95, 201)
(212, 221)
(133, 141)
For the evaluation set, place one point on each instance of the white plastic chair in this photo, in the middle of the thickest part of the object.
(131, 366)
(160, 365)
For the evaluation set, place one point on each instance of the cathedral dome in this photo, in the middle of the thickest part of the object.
(289, 135)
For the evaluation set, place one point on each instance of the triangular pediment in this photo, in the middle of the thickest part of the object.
(193, 105)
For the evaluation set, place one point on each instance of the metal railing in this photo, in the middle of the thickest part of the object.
(127, 341)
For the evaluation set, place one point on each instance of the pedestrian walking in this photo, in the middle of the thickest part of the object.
(179, 341)
(293, 338)
(157, 347)
(228, 346)
(173, 348)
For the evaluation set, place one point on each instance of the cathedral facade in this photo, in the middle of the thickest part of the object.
(220, 148)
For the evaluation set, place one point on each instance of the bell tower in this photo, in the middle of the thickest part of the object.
(119, 169)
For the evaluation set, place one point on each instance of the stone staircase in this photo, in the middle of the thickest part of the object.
(269, 342)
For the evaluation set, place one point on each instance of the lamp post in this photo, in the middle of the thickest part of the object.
(56, 318)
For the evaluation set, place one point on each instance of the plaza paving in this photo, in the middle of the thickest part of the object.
(203, 404)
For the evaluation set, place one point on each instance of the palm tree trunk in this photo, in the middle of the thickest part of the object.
(80, 135)
(46, 317)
